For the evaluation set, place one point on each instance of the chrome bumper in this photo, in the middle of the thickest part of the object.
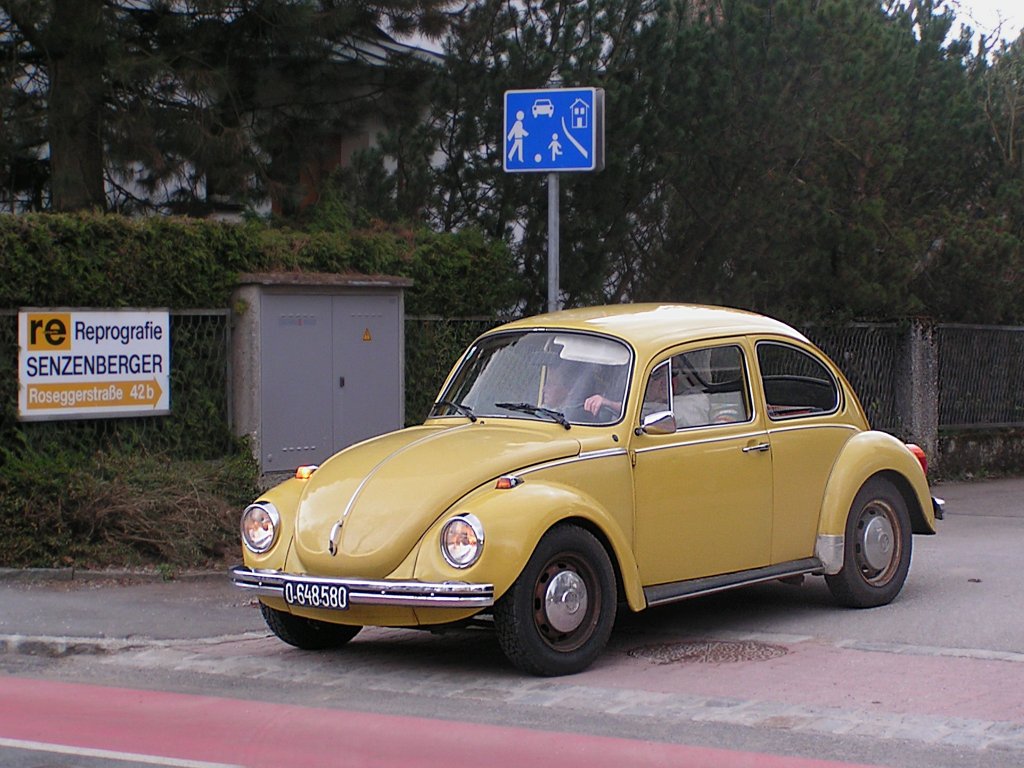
(418, 594)
(939, 506)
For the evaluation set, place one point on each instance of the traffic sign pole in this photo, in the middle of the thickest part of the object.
(552, 131)
(553, 256)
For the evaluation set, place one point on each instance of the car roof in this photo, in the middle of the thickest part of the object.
(659, 325)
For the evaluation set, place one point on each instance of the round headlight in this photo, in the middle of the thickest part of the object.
(462, 541)
(260, 523)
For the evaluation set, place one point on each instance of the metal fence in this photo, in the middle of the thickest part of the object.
(432, 345)
(980, 370)
(198, 426)
(981, 376)
(869, 356)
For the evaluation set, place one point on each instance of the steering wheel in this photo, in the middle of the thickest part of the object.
(577, 412)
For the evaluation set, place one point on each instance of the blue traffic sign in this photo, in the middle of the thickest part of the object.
(554, 129)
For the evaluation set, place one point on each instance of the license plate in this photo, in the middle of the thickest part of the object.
(313, 594)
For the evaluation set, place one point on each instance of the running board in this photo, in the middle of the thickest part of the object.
(681, 590)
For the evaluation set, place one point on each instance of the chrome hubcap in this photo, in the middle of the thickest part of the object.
(565, 601)
(878, 543)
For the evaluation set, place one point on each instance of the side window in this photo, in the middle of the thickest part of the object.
(795, 383)
(701, 387)
(709, 386)
(656, 396)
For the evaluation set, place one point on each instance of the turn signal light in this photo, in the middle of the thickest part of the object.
(306, 471)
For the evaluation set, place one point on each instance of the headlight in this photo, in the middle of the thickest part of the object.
(260, 523)
(462, 541)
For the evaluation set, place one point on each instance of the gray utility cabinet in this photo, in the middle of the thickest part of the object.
(318, 363)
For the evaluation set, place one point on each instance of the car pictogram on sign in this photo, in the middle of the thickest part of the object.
(543, 107)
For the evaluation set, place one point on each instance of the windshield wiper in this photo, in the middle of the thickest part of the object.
(465, 410)
(536, 410)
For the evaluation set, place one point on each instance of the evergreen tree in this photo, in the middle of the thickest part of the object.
(813, 160)
(203, 97)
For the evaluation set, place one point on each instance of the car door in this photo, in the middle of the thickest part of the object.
(807, 427)
(702, 468)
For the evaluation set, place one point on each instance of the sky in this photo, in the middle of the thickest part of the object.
(985, 15)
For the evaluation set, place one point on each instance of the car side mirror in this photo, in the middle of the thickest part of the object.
(659, 423)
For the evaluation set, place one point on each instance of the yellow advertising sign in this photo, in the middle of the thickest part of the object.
(76, 364)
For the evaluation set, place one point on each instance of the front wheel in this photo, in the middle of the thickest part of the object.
(557, 616)
(307, 634)
(876, 556)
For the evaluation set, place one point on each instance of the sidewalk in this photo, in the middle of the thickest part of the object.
(57, 612)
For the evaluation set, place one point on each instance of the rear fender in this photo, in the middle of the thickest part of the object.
(865, 455)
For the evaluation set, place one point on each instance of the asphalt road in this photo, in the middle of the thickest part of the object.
(773, 672)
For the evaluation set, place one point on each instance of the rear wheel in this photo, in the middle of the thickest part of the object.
(557, 616)
(877, 549)
(307, 634)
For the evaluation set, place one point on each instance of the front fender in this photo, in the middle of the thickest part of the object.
(514, 520)
(863, 456)
(285, 498)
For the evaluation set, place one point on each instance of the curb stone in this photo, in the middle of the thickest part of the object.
(79, 574)
(58, 647)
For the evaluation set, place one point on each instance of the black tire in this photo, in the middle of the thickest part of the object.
(307, 634)
(557, 616)
(877, 550)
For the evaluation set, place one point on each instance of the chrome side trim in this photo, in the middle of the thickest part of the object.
(661, 594)
(601, 454)
(829, 549)
(588, 456)
(703, 441)
(800, 427)
(422, 594)
(744, 436)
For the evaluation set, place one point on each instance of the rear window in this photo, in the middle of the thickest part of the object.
(795, 383)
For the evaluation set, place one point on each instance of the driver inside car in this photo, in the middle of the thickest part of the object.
(566, 386)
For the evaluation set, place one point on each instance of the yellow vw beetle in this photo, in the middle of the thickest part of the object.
(582, 460)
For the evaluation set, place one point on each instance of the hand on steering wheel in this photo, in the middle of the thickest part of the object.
(597, 403)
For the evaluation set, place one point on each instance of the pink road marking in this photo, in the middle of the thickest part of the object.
(260, 734)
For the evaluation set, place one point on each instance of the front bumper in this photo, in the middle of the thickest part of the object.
(417, 594)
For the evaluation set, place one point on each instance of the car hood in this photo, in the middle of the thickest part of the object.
(387, 491)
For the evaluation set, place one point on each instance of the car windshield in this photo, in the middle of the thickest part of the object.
(564, 377)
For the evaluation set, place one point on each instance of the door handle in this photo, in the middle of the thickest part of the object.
(760, 448)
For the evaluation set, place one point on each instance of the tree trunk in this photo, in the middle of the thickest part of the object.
(76, 50)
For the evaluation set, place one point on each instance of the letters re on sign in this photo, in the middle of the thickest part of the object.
(87, 364)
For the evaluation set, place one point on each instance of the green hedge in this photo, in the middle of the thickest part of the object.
(94, 260)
